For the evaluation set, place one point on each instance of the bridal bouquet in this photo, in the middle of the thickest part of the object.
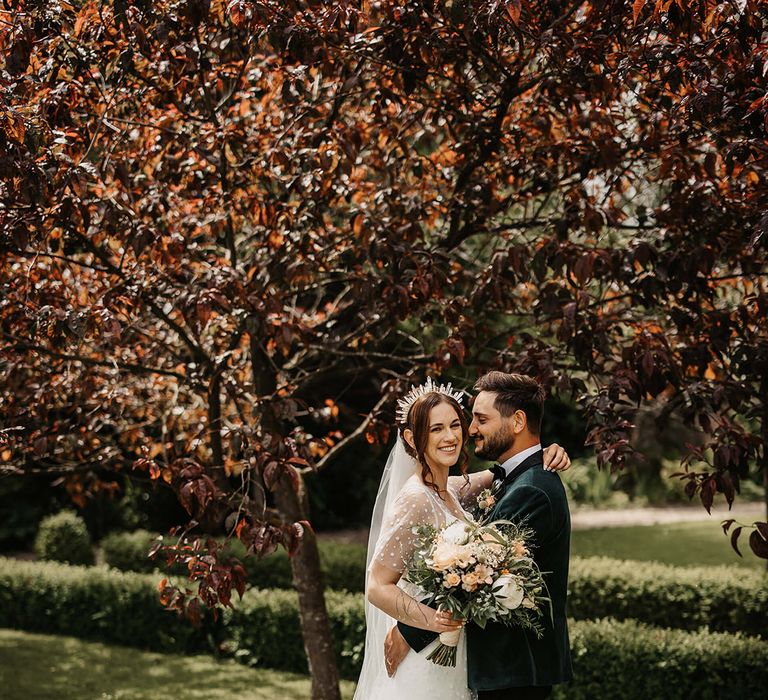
(479, 572)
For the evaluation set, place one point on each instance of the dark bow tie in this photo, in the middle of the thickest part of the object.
(498, 472)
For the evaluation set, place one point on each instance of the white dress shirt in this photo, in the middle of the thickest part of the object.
(517, 459)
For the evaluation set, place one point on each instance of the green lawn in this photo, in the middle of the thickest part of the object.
(678, 544)
(42, 667)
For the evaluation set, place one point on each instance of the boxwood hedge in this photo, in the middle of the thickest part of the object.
(612, 658)
(94, 603)
(716, 598)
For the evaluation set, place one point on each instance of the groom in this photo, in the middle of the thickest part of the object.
(509, 663)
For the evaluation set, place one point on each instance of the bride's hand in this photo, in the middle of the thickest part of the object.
(556, 458)
(443, 621)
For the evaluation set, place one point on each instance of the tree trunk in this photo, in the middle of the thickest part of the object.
(764, 435)
(305, 563)
(765, 479)
(307, 579)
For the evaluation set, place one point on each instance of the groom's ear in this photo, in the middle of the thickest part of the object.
(408, 437)
(519, 421)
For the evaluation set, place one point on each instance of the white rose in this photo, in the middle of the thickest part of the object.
(457, 533)
(508, 592)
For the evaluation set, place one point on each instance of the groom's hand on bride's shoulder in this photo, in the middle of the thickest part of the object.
(556, 458)
(395, 650)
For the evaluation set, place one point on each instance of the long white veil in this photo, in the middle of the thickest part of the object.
(399, 468)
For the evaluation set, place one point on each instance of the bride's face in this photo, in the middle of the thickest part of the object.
(444, 442)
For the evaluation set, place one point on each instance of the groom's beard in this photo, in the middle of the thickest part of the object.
(496, 444)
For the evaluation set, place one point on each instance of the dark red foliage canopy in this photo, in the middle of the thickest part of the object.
(217, 215)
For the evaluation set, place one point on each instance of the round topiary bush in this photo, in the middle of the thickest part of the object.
(64, 537)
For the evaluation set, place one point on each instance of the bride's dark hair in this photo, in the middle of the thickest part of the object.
(418, 422)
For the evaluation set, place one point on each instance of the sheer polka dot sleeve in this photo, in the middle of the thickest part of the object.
(397, 541)
(466, 491)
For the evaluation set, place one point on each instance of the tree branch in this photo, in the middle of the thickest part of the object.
(334, 452)
(133, 368)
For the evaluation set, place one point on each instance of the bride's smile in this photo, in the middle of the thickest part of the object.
(445, 437)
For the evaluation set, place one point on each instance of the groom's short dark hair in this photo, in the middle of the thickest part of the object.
(515, 392)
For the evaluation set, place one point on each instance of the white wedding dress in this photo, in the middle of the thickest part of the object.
(416, 678)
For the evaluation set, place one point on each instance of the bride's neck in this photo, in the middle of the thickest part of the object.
(439, 477)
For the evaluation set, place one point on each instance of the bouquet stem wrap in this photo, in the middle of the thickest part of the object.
(444, 654)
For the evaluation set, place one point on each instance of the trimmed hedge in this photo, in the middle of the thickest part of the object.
(264, 630)
(717, 598)
(343, 564)
(611, 659)
(64, 537)
(631, 661)
(94, 603)
(343, 567)
(127, 551)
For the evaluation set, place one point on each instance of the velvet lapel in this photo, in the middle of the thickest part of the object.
(532, 461)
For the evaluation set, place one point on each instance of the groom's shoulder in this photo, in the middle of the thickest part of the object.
(540, 478)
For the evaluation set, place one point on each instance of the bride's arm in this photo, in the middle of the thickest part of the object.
(468, 490)
(555, 460)
(384, 593)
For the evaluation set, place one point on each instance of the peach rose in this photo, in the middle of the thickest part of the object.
(484, 573)
(469, 581)
(451, 580)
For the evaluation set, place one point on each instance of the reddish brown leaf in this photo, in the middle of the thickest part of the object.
(514, 9)
(707, 493)
(271, 474)
(734, 539)
(193, 612)
(299, 461)
(239, 579)
(758, 544)
(637, 8)
(582, 269)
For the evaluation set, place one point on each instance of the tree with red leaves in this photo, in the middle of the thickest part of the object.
(217, 216)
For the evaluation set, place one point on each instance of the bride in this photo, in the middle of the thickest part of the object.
(415, 489)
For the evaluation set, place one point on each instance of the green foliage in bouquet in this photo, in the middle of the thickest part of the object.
(63, 537)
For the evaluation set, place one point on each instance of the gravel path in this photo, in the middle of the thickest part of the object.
(586, 518)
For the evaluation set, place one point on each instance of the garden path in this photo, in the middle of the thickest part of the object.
(588, 518)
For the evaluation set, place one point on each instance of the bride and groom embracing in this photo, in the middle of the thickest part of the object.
(497, 662)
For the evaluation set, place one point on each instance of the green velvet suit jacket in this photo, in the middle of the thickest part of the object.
(509, 657)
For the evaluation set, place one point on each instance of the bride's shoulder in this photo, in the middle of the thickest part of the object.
(414, 491)
(413, 485)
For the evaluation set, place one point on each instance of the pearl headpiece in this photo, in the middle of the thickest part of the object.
(416, 392)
